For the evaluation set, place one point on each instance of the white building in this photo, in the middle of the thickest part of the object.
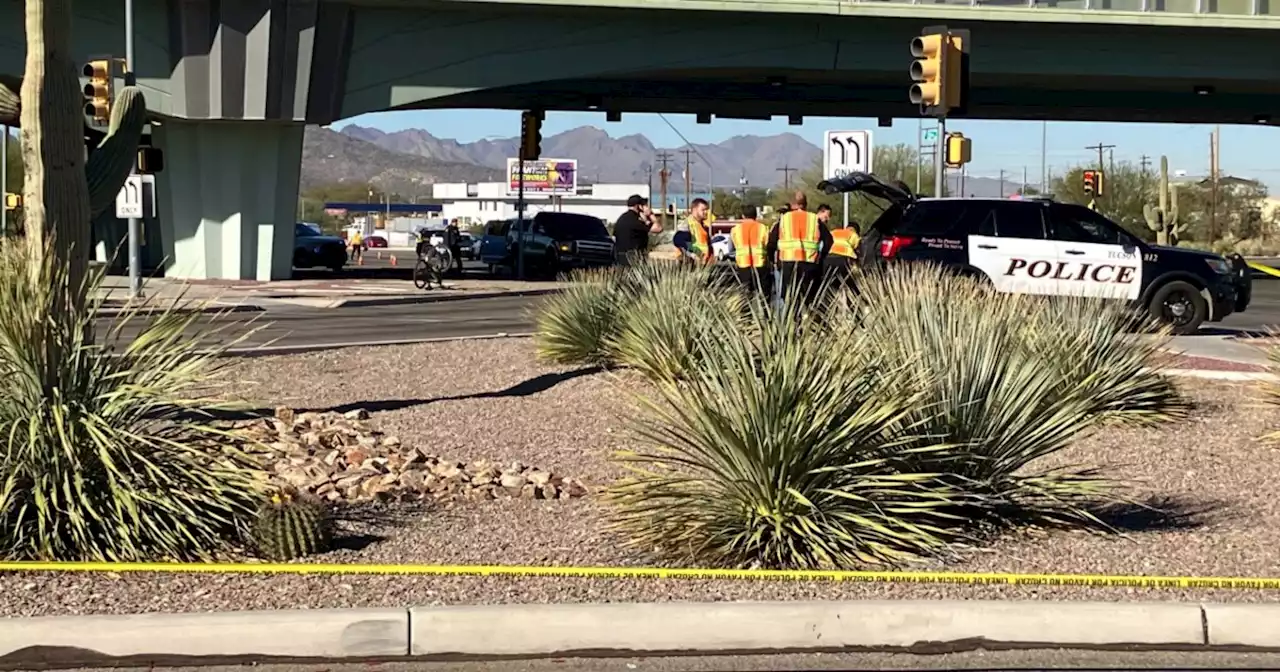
(477, 203)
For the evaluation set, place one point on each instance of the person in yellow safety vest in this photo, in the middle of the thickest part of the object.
(699, 234)
(843, 254)
(800, 242)
(357, 246)
(750, 237)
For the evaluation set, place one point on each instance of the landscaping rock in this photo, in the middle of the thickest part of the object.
(342, 457)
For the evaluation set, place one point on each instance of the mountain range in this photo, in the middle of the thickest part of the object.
(408, 161)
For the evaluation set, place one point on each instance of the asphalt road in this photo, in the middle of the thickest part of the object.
(297, 326)
(1022, 661)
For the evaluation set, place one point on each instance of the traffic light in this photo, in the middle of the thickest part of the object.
(1093, 183)
(530, 136)
(940, 71)
(959, 150)
(97, 93)
(12, 201)
(150, 160)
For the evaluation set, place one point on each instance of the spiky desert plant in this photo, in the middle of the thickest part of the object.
(1115, 351)
(577, 325)
(780, 450)
(665, 331)
(291, 524)
(574, 326)
(1163, 218)
(55, 193)
(110, 446)
(985, 386)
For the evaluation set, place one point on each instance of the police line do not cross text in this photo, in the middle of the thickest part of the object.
(844, 152)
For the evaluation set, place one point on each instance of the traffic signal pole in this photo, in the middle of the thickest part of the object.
(135, 225)
(939, 162)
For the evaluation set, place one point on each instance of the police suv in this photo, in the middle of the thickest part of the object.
(1042, 247)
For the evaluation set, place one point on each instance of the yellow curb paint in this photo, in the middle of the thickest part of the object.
(1086, 580)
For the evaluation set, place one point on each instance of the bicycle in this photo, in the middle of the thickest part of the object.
(431, 266)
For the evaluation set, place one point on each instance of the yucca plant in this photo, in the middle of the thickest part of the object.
(578, 325)
(665, 331)
(780, 451)
(292, 524)
(110, 449)
(1114, 351)
(574, 326)
(994, 380)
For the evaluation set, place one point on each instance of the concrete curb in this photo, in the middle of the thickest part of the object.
(269, 350)
(213, 309)
(554, 630)
(439, 297)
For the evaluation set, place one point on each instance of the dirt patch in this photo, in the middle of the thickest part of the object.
(1210, 475)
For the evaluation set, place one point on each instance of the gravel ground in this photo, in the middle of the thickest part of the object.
(1211, 468)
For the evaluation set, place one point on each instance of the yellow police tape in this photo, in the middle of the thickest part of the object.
(1086, 580)
(1265, 269)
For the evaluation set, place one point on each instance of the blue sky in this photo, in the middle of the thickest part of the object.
(1246, 151)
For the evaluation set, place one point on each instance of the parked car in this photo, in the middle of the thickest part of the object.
(555, 242)
(1039, 246)
(722, 246)
(315, 249)
(375, 241)
(468, 244)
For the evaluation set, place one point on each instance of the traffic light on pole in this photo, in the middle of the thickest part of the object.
(940, 71)
(1092, 182)
(959, 150)
(97, 93)
(530, 136)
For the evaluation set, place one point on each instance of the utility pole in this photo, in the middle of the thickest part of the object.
(1213, 185)
(1023, 190)
(786, 176)
(649, 172)
(688, 179)
(1002, 183)
(1100, 149)
(1044, 157)
(1143, 163)
(1101, 166)
(663, 176)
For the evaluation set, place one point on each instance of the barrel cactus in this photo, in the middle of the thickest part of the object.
(291, 525)
(1163, 218)
(109, 164)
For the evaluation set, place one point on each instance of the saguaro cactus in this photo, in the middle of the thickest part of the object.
(1163, 218)
(108, 166)
(55, 192)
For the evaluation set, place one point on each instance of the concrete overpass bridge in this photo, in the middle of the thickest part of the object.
(233, 82)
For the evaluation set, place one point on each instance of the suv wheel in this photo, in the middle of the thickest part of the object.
(1179, 305)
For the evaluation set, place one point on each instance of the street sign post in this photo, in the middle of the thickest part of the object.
(136, 199)
(845, 152)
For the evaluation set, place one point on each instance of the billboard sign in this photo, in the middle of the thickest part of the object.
(544, 177)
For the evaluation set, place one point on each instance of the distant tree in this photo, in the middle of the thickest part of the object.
(726, 204)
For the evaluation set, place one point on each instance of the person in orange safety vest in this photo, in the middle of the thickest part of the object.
(750, 238)
(800, 243)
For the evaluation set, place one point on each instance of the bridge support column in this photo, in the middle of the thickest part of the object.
(228, 198)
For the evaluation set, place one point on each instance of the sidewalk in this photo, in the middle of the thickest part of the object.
(218, 295)
(594, 630)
